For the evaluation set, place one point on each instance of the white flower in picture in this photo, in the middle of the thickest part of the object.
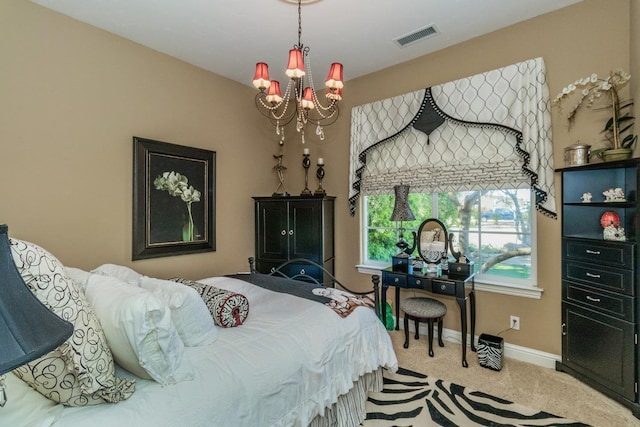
(177, 185)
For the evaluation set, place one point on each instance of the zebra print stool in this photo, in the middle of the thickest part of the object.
(421, 309)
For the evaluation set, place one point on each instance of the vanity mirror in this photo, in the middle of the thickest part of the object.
(433, 241)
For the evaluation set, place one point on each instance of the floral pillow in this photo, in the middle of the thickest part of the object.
(227, 308)
(80, 371)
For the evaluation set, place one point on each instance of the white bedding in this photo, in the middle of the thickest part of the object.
(290, 360)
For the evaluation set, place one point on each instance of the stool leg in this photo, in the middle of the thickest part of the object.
(406, 331)
(430, 322)
(417, 325)
(440, 342)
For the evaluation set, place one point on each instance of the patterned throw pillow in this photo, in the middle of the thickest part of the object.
(228, 308)
(80, 371)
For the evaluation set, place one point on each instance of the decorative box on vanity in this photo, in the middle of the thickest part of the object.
(402, 264)
(459, 270)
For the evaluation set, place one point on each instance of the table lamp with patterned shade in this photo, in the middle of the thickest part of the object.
(28, 329)
(402, 212)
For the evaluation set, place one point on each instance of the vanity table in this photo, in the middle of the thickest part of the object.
(440, 284)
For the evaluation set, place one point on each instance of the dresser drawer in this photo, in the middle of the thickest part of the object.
(443, 288)
(615, 254)
(391, 279)
(620, 306)
(417, 282)
(613, 279)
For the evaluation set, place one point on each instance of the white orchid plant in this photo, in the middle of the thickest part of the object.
(590, 89)
(177, 185)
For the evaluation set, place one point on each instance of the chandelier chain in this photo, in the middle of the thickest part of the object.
(300, 24)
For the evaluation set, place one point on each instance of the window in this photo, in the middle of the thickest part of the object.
(492, 228)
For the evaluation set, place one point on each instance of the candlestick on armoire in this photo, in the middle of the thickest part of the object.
(320, 175)
(306, 163)
(280, 168)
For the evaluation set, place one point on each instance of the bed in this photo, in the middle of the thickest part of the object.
(292, 362)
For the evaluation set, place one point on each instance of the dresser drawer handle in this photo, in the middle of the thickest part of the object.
(595, 276)
(418, 282)
(283, 232)
(593, 299)
(589, 251)
(443, 287)
(302, 271)
(396, 280)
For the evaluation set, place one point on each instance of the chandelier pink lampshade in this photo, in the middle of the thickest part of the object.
(307, 99)
(261, 78)
(336, 94)
(295, 66)
(335, 77)
(273, 92)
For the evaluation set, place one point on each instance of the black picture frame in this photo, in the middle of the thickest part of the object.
(168, 216)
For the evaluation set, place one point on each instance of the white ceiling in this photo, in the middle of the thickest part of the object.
(228, 37)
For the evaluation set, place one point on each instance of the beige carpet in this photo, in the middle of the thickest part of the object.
(529, 385)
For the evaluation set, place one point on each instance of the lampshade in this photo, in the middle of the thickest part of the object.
(307, 99)
(273, 92)
(335, 77)
(28, 329)
(261, 78)
(336, 94)
(401, 209)
(295, 66)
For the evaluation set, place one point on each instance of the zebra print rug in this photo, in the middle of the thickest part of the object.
(413, 399)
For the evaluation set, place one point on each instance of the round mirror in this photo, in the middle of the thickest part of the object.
(433, 241)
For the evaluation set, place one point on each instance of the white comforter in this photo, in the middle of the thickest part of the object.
(288, 361)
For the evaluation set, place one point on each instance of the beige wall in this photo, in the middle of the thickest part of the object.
(72, 96)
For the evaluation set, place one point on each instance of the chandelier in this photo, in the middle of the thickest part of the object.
(300, 100)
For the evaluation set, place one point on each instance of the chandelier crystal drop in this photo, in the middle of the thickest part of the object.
(300, 100)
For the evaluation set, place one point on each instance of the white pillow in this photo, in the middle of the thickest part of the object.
(121, 272)
(79, 276)
(139, 330)
(189, 314)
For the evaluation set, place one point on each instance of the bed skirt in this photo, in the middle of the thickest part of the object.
(349, 410)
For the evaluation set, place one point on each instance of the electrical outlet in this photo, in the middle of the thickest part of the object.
(515, 323)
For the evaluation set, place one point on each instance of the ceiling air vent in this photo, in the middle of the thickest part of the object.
(417, 35)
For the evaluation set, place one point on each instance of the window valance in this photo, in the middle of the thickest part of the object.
(488, 131)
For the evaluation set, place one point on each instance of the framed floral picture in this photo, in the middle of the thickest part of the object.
(173, 199)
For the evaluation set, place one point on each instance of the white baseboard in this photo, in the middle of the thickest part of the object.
(511, 351)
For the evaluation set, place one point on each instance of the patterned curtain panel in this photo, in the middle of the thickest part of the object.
(485, 132)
